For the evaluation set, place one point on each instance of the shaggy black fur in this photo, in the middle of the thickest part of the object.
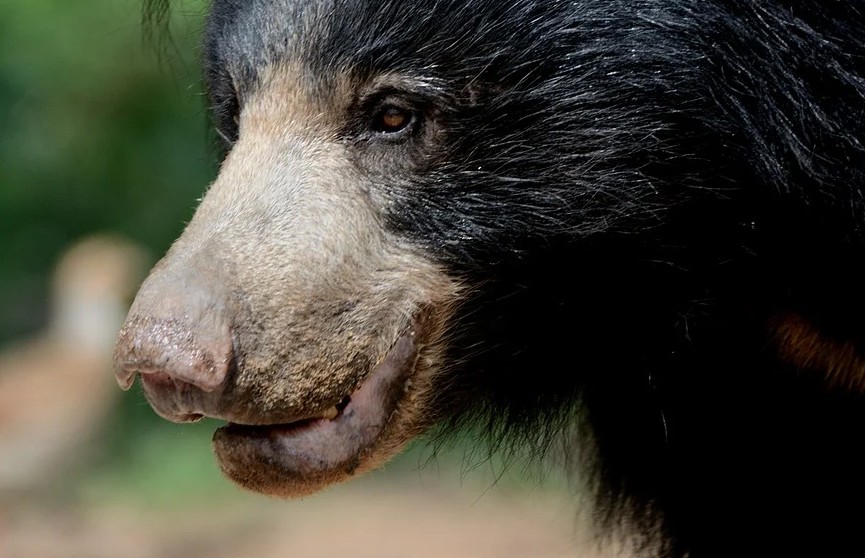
(637, 188)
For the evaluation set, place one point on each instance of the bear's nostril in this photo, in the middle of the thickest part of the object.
(125, 376)
(162, 380)
(167, 353)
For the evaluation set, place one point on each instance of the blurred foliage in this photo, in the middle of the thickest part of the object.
(98, 133)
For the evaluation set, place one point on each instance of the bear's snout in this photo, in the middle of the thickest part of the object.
(177, 338)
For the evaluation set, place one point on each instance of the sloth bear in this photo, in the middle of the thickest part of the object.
(642, 217)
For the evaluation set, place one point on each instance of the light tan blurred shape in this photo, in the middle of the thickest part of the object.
(56, 389)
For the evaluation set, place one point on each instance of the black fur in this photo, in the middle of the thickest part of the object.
(635, 188)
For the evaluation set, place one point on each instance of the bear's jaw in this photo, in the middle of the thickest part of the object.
(300, 457)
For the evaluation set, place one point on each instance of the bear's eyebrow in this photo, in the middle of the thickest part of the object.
(427, 87)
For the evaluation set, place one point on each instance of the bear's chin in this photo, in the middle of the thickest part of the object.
(302, 457)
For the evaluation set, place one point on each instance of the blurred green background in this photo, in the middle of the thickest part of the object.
(101, 131)
(95, 134)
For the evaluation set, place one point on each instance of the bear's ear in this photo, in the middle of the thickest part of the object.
(155, 20)
(838, 361)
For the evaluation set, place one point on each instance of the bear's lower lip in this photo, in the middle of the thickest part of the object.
(298, 458)
(289, 428)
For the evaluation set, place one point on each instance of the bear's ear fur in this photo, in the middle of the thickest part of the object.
(155, 20)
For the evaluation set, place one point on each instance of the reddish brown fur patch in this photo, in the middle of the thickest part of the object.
(803, 345)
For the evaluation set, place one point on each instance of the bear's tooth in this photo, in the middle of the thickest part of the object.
(331, 413)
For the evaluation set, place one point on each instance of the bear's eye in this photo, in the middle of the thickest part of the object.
(391, 119)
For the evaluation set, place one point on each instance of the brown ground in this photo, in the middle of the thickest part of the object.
(369, 521)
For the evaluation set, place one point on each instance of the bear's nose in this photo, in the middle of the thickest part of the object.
(175, 332)
(165, 349)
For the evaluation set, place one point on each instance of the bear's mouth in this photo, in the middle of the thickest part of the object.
(297, 457)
